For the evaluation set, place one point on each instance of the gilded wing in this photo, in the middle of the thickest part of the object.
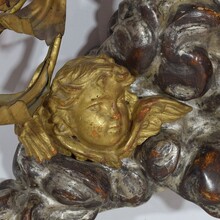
(35, 140)
(11, 6)
(149, 115)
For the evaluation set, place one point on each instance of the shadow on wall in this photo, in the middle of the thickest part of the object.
(8, 145)
(102, 16)
(15, 76)
(13, 80)
(163, 202)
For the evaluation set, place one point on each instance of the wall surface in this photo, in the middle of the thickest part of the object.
(20, 55)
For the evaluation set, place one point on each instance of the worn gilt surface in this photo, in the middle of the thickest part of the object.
(141, 112)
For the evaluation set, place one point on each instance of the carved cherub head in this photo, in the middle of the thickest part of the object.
(90, 100)
(91, 113)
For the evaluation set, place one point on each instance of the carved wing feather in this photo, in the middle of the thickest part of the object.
(149, 129)
(160, 110)
(35, 141)
(149, 115)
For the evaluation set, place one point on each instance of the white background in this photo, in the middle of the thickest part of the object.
(86, 28)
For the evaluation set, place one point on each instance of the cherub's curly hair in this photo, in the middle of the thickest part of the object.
(75, 74)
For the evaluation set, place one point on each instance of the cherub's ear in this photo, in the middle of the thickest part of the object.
(63, 126)
(101, 81)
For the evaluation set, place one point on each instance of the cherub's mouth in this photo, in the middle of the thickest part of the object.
(113, 129)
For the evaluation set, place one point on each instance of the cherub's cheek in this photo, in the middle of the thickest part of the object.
(100, 129)
(96, 130)
(95, 133)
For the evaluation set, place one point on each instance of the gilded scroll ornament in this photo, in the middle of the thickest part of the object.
(28, 20)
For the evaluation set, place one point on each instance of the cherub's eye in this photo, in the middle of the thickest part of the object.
(121, 100)
(95, 107)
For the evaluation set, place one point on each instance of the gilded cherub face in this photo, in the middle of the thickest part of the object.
(101, 114)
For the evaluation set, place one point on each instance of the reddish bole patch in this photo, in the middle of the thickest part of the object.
(101, 192)
(209, 159)
(210, 196)
(95, 133)
(209, 12)
(154, 153)
(143, 113)
(116, 116)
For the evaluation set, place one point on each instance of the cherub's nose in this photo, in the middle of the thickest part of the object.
(115, 114)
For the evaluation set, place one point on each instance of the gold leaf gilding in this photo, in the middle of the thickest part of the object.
(45, 23)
